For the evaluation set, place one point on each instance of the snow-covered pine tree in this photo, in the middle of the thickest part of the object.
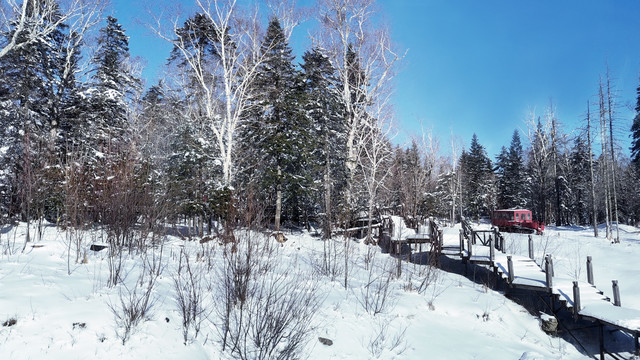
(513, 182)
(37, 92)
(539, 168)
(153, 136)
(326, 110)
(114, 82)
(278, 135)
(478, 193)
(111, 163)
(195, 164)
(580, 183)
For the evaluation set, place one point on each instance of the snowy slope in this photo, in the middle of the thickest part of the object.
(451, 317)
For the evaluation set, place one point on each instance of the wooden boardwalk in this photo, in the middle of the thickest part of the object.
(486, 247)
(583, 299)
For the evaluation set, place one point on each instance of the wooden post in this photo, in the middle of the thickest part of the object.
(470, 245)
(492, 250)
(589, 270)
(601, 337)
(530, 247)
(616, 292)
(576, 298)
(551, 262)
(510, 269)
(461, 242)
(637, 337)
(548, 272)
(473, 237)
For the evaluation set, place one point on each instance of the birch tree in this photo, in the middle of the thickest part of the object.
(225, 84)
(349, 31)
(31, 21)
(376, 154)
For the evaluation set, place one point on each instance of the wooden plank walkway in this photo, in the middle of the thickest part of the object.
(581, 298)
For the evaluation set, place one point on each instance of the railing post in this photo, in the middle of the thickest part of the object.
(473, 237)
(530, 247)
(492, 250)
(551, 262)
(510, 269)
(576, 298)
(589, 270)
(616, 292)
(549, 272)
(461, 242)
(470, 245)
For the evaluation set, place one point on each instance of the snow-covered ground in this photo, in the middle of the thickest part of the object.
(63, 310)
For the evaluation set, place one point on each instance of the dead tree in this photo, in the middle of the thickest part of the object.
(593, 186)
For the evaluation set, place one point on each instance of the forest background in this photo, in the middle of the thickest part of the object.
(237, 123)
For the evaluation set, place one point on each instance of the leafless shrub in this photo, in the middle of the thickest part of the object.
(132, 307)
(75, 214)
(382, 343)
(264, 307)
(428, 275)
(435, 290)
(9, 246)
(331, 264)
(375, 296)
(115, 261)
(573, 263)
(544, 245)
(190, 296)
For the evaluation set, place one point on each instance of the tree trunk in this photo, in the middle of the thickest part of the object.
(613, 158)
(327, 191)
(593, 187)
(605, 172)
(554, 154)
(278, 200)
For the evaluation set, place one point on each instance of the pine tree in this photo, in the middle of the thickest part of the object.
(111, 162)
(37, 92)
(279, 132)
(478, 188)
(580, 183)
(512, 179)
(114, 83)
(326, 111)
(538, 168)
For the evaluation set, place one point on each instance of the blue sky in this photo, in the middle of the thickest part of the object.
(481, 66)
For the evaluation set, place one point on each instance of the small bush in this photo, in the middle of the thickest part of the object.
(132, 308)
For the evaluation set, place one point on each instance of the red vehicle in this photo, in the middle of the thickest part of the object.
(516, 220)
